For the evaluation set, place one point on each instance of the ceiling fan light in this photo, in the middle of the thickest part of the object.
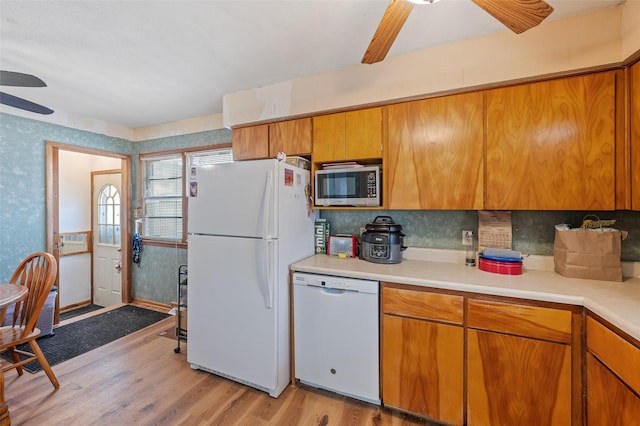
(423, 1)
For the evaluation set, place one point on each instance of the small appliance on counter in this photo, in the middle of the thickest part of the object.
(343, 245)
(382, 241)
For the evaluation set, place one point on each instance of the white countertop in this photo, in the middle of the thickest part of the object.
(616, 302)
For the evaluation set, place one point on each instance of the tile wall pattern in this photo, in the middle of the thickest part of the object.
(533, 231)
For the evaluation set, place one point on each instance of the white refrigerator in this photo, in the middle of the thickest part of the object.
(247, 222)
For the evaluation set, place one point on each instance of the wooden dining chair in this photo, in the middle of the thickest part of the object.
(38, 273)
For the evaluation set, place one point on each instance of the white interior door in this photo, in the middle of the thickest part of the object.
(107, 279)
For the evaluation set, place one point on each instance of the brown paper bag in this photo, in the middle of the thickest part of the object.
(592, 254)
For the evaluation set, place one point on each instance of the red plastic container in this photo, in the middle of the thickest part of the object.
(498, 267)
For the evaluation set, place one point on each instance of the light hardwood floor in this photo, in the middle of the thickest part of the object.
(140, 380)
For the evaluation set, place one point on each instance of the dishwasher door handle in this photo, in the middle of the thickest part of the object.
(331, 290)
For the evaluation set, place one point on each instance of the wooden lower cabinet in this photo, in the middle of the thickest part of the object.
(521, 367)
(613, 377)
(515, 380)
(610, 401)
(464, 358)
(422, 369)
(423, 352)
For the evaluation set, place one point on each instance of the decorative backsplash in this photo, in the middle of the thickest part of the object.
(533, 231)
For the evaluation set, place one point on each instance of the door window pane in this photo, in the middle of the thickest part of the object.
(109, 215)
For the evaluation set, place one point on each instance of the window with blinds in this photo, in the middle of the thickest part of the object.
(164, 190)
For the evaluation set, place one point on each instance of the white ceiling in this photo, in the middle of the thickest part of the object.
(141, 63)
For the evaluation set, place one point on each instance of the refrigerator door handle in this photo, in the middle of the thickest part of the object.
(268, 272)
(266, 207)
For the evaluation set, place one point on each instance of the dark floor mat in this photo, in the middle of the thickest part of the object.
(82, 336)
(79, 311)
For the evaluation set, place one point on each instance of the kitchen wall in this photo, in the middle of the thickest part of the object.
(558, 46)
(23, 203)
(156, 278)
(22, 207)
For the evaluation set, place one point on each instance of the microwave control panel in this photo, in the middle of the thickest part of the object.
(371, 185)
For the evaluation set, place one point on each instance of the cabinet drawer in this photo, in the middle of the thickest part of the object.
(423, 305)
(619, 355)
(528, 321)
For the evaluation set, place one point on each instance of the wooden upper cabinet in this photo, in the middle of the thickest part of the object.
(551, 145)
(435, 151)
(250, 143)
(635, 136)
(347, 136)
(363, 134)
(293, 137)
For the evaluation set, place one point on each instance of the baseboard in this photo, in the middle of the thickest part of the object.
(75, 306)
(150, 304)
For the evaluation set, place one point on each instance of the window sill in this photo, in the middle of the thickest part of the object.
(163, 243)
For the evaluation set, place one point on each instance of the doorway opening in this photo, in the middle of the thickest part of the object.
(74, 208)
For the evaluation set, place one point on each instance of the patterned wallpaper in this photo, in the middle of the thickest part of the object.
(22, 182)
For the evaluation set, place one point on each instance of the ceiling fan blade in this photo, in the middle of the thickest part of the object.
(517, 15)
(10, 78)
(24, 104)
(392, 21)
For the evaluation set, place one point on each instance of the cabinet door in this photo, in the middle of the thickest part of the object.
(517, 380)
(363, 134)
(635, 136)
(619, 355)
(609, 401)
(250, 143)
(551, 145)
(435, 150)
(348, 136)
(422, 368)
(328, 138)
(293, 137)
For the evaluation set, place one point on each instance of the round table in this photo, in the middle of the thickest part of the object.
(9, 294)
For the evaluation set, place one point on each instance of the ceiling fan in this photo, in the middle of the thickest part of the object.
(18, 79)
(517, 15)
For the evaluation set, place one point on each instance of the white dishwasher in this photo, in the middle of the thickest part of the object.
(336, 333)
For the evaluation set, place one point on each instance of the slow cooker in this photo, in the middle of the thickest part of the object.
(382, 241)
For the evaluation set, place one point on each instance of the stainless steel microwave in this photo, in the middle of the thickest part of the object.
(349, 186)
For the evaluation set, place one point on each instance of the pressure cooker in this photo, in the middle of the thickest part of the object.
(382, 241)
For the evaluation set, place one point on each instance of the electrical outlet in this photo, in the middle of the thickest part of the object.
(467, 238)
